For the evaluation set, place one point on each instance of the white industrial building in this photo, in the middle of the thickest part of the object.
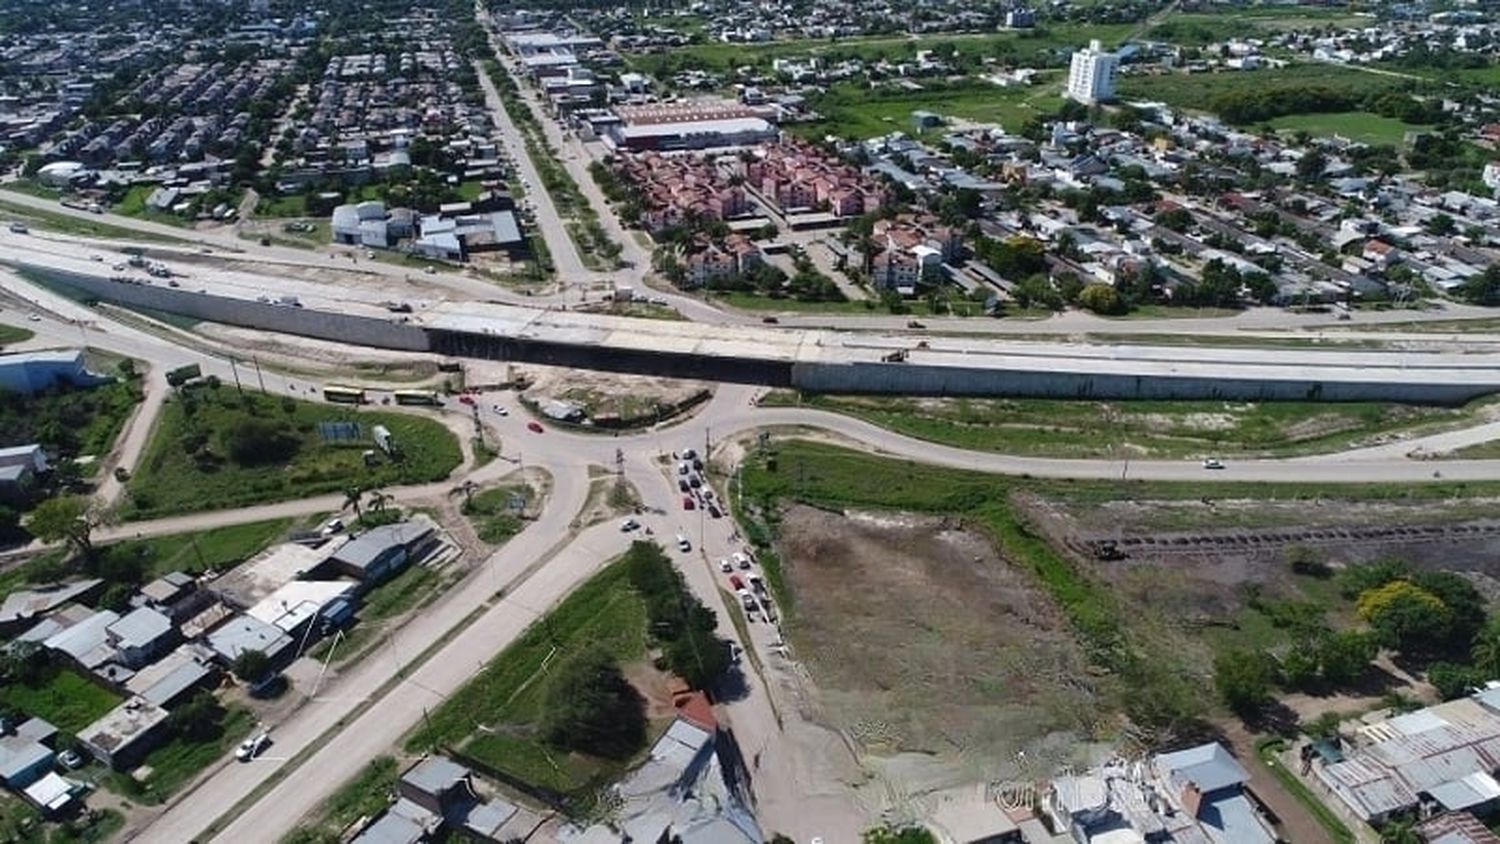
(1091, 77)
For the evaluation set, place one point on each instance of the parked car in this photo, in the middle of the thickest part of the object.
(682, 485)
(332, 526)
(713, 511)
(71, 759)
(689, 454)
(736, 582)
(629, 525)
(741, 560)
(251, 747)
(534, 427)
(758, 583)
(694, 481)
(687, 502)
(683, 544)
(682, 468)
(466, 399)
(726, 566)
(501, 410)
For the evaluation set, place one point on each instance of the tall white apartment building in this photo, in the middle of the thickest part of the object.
(1091, 78)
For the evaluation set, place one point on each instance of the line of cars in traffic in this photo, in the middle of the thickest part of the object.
(694, 488)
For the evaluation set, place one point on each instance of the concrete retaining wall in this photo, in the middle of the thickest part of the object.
(906, 379)
(640, 362)
(858, 377)
(305, 322)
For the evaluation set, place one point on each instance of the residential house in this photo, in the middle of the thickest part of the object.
(140, 637)
(126, 733)
(25, 756)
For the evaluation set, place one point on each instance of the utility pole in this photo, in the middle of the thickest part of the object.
(236, 371)
(258, 376)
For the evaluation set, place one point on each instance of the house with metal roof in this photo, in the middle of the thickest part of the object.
(1196, 795)
(381, 552)
(24, 757)
(140, 637)
(244, 633)
(174, 677)
(87, 642)
(1442, 758)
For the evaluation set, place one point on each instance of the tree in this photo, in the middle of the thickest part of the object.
(251, 665)
(261, 442)
(1405, 616)
(1400, 831)
(1482, 289)
(1485, 652)
(1452, 680)
(1344, 656)
(592, 708)
(1464, 603)
(1101, 299)
(70, 519)
(199, 719)
(891, 834)
(1243, 680)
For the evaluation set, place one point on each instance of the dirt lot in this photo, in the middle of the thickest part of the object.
(613, 399)
(1188, 573)
(920, 639)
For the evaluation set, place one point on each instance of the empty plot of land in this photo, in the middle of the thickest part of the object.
(920, 637)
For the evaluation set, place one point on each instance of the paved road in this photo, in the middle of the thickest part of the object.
(565, 257)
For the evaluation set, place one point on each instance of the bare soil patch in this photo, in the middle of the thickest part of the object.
(920, 638)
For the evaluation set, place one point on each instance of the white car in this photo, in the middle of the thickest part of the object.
(726, 566)
(1212, 463)
(629, 525)
(251, 747)
(332, 527)
(741, 560)
(683, 544)
(501, 410)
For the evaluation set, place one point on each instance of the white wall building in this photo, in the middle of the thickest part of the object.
(1091, 78)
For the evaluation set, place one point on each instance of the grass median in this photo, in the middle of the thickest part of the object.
(1146, 429)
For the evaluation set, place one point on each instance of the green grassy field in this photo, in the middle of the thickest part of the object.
(68, 224)
(292, 205)
(507, 696)
(10, 334)
(133, 204)
(1044, 45)
(489, 513)
(69, 423)
(62, 696)
(853, 111)
(188, 465)
(1061, 428)
(1197, 91)
(197, 552)
(1354, 125)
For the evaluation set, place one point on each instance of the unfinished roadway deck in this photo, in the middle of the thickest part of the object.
(813, 359)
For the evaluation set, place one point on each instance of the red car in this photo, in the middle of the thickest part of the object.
(687, 502)
(535, 427)
(734, 580)
(466, 399)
